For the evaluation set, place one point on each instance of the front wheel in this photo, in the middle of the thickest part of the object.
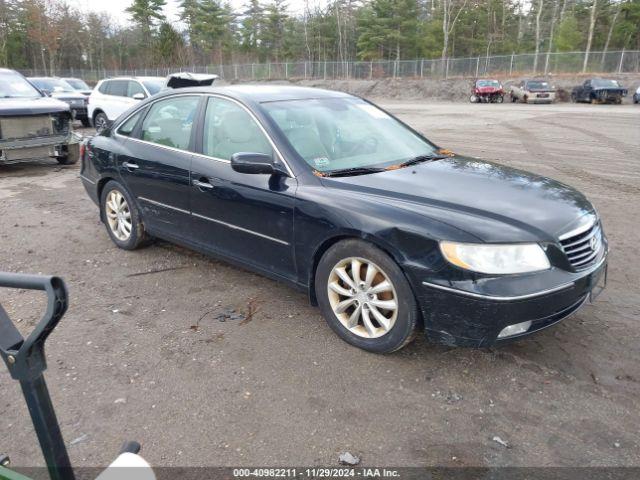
(100, 122)
(365, 297)
(473, 99)
(121, 217)
(499, 99)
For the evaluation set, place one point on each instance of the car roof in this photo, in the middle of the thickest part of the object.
(263, 93)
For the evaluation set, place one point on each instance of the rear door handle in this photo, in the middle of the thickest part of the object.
(130, 166)
(200, 184)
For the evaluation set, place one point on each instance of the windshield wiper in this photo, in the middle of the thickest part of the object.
(422, 158)
(346, 172)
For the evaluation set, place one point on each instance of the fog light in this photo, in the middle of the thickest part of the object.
(515, 329)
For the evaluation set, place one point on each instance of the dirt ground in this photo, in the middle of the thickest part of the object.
(142, 353)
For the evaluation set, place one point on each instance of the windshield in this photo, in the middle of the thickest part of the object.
(488, 83)
(345, 133)
(77, 83)
(13, 85)
(600, 83)
(538, 85)
(153, 86)
(51, 85)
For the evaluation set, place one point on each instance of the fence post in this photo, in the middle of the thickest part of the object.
(235, 71)
(305, 70)
(370, 69)
(269, 71)
(325, 70)
(253, 72)
(421, 67)
(477, 65)
(511, 65)
(621, 59)
(286, 70)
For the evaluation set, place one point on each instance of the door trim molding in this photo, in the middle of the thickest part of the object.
(236, 227)
(160, 204)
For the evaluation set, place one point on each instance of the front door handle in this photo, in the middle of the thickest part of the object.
(200, 184)
(130, 166)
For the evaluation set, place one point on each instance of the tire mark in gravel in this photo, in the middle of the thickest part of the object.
(535, 148)
(621, 147)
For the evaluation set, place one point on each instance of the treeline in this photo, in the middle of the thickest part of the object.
(49, 35)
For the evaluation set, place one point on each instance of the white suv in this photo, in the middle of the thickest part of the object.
(113, 96)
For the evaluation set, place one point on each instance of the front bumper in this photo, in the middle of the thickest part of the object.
(79, 113)
(463, 317)
(17, 150)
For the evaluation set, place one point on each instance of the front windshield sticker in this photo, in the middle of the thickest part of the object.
(373, 111)
(321, 161)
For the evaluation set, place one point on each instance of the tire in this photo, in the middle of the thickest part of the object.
(499, 99)
(125, 238)
(474, 99)
(513, 98)
(574, 98)
(85, 122)
(525, 99)
(100, 122)
(401, 323)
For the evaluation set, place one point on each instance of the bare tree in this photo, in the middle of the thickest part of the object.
(592, 24)
(554, 17)
(537, 51)
(610, 33)
(449, 21)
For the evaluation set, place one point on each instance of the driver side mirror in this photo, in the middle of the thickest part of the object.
(139, 96)
(253, 163)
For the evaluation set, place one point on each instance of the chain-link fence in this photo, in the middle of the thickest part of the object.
(616, 62)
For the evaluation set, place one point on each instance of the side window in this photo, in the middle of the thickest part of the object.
(118, 88)
(169, 122)
(135, 87)
(229, 129)
(127, 127)
(104, 87)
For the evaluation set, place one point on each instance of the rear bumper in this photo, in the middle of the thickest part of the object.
(453, 316)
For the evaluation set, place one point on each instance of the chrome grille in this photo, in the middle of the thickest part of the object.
(582, 248)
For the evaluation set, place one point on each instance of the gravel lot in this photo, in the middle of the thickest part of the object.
(142, 353)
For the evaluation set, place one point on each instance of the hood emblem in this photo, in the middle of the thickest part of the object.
(593, 243)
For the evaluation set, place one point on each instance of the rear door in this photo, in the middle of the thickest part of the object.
(112, 103)
(156, 165)
(246, 216)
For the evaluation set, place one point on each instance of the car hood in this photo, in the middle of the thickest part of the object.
(11, 107)
(68, 96)
(488, 89)
(492, 202)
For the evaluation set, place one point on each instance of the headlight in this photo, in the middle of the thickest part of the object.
(496, 258)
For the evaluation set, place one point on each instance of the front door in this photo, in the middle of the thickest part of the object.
(249, 217)
(155, 167)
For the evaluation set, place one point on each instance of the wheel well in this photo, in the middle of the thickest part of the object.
(95, 113)
(101, 183)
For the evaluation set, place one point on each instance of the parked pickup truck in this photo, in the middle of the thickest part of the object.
(533, 91)
(33, 125)
(599, 90)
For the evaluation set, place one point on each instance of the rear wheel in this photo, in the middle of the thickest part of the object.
(365, 297)
(121, 217)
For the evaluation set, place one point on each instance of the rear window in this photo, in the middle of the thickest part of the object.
(103, 88)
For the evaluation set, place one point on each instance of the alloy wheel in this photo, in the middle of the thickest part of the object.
(118, 215)
(362, 297)
(100, 123)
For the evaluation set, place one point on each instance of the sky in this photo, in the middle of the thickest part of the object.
(116, 8)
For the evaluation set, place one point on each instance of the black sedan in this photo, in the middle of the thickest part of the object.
(599, 90)
(386, 231)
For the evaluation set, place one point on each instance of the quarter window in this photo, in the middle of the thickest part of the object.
(127, 127)
(169, 122)
(229, 129)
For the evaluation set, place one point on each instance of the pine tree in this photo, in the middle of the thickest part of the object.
(144, 13)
